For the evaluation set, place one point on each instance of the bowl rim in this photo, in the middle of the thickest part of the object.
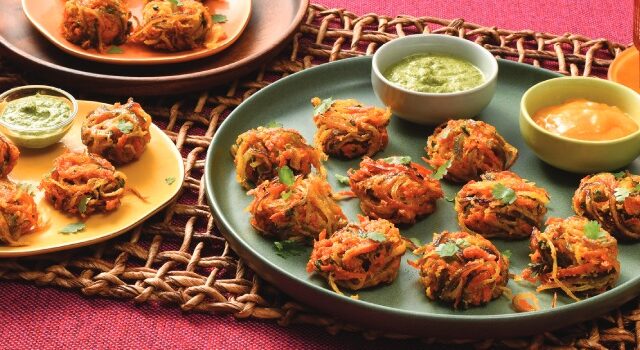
(486, 54)
(51, 128)
(607, 84)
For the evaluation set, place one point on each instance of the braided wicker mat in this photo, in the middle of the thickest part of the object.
(179, 258)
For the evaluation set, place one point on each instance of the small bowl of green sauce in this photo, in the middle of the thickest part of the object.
(429, 79)
(36, 116)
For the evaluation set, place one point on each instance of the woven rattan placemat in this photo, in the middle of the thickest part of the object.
(179, 258)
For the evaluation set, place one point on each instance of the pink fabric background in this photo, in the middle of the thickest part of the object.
(48, 318)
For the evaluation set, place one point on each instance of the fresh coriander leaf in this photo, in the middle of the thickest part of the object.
(115, 50)
(285, 195)
(27, 187)
(404, 160)
(169, 180)
(507, 253)
(621, 193)
(416, 241)
(375, 236)
(323, 106)
(285, 249)
(176, 2)
(593, 230)
(82, 204)
(447, 250)
(286, 175)
(125, 126)
(462, 243)
(273, 124)
(619, 175)
(503, 193)
(73, 228)
(218, 18)
(442, 170)
(342, 179)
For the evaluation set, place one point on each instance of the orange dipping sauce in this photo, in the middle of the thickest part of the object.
(586, 120)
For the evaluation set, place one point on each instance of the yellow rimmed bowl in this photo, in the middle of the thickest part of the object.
(37, 137)
(574, 155)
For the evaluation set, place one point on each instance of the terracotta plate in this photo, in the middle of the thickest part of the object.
(47, 17)
(161, 160)
(401, 307)
(270, 27)
(625, 69)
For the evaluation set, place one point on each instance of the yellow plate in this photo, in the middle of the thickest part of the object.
(47, 17)
(161, 160)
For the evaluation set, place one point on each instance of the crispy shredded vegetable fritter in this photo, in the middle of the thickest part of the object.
(399, 193)
(348, 129)
(299, 211)
(472, 147)
(612, 200)
(462, 269)
(501, 205)
(96, 23)
(176, 27)
(259, 152)
(9, 155)
(83, 183)
(18, 213)
(575, 255)
(360, 255)
(118, 133)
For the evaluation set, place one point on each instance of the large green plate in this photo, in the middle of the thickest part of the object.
(401, 307)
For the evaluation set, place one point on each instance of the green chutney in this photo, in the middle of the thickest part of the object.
(36, 112)
(435, 73)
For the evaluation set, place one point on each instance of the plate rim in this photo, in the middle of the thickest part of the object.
(161, 60)
(102, 238)
(283, 279)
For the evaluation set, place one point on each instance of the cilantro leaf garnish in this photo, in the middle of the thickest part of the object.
(416, 241)
(323, 106)
(125, 126)
(462, 243)
(374, 236)
(448, 249)
(442, 170)
(285, 249)
(285, 195)
(619, 174)
(176, 2)
(218, 18)
(285, 174)
(593, 230)
(342, 179)
(503, 193)
(401, 160)
(115, 50)
(27, 187)
(73, 228)
(507, 253)
(169, 180)
(621, 193)
(273, 124)
(82, 204)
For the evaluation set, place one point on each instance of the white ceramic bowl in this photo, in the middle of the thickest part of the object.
(433, 108)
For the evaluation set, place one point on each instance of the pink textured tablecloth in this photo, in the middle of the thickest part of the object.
(48, 318)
